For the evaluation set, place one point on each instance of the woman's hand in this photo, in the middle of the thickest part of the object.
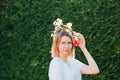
(81, 40)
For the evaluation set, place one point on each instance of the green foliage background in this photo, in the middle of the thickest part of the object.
(25, 30)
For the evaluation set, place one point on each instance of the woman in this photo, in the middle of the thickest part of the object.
(64, 66)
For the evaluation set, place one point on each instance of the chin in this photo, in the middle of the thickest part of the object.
(67, 53)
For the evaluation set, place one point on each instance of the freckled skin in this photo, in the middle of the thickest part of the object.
(65, 45)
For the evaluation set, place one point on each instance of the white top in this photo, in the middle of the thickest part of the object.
(58, 70)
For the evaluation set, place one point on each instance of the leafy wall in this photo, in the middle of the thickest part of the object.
(25, 30)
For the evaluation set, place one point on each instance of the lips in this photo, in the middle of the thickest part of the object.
(66, 50)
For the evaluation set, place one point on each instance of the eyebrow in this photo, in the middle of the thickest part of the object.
(65, 41)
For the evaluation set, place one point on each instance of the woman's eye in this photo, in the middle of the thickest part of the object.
(69, 42)
(63, 42)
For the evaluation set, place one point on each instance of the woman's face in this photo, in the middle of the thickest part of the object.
(65, 45)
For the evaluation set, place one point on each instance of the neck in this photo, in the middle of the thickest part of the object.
(64, 57)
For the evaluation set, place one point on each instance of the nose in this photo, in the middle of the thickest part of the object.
(66, 45)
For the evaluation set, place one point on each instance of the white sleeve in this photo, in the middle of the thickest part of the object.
(56, 70)
(80, 64)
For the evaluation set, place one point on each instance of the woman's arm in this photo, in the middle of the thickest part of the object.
(92, 67)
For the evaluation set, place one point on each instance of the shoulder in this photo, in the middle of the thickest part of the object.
(77, 62)
(55, 68)
(55, 62)
(73, 60)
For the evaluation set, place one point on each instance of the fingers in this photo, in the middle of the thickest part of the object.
(80, 36)
(81, 40)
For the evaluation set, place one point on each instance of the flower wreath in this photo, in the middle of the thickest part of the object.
(60, 26)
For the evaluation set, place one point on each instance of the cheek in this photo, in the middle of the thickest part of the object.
(60, 46)
(70, 45)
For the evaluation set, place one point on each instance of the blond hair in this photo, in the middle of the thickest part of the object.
(57, 37)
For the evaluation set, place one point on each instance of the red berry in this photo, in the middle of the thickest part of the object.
(76, 43)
